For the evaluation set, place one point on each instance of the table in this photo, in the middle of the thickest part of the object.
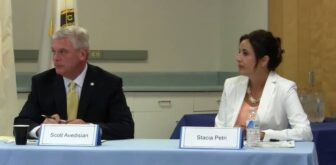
(325, 141)
(324, 134)
(152, 152)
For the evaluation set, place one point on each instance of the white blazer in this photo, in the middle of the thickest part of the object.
(280, 112)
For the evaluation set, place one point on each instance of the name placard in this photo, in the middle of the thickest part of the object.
(211, 137)
(69, 135)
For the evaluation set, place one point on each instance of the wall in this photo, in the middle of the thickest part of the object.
(180, 35)
(239, 17)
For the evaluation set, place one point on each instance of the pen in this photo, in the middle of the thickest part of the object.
(274, 140)
(50, 117)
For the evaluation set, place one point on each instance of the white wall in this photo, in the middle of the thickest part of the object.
(239, 17)
(180, 35)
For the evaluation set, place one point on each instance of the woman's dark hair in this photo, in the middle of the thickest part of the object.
(264, 43)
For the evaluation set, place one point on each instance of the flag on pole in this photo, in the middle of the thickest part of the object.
(58, 14)
(8, 93)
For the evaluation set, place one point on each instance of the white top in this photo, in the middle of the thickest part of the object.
(280, 112)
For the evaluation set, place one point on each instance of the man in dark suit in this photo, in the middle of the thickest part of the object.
(100, 96)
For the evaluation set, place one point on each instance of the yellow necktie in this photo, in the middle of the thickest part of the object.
(72, 101)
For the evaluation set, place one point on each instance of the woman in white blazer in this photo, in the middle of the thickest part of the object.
(279, 109)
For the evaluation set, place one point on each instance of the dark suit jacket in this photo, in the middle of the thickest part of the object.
(102, 102)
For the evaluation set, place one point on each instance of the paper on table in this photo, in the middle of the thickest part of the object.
(7, 139)
(278, 144)
(11, 139)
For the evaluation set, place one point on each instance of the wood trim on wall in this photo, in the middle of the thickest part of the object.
(308, 33)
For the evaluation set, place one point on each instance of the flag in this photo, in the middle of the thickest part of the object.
(8, 95)
(58, 14)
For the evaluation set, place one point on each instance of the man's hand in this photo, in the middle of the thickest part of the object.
(53, 119)
(76, 121)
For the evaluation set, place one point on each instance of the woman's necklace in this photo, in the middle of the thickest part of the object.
(250, 97)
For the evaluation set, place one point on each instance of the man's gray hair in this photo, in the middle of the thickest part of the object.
(78, 36)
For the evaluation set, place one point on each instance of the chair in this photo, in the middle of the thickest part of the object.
(204, 120)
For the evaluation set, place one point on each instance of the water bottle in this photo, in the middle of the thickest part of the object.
(252, 128)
